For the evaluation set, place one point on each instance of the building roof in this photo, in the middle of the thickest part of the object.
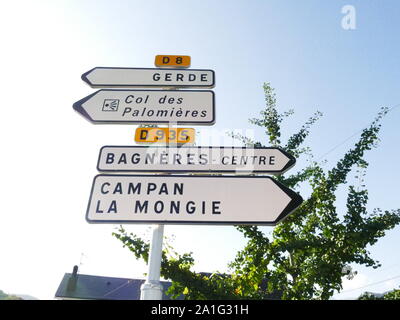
(82, 286)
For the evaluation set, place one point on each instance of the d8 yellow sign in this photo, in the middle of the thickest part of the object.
(166, 135)
(172, 61)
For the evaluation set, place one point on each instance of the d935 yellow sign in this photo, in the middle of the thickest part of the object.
(172, 61)
(165, 135)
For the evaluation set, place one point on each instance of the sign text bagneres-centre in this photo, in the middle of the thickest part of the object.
(194, 159)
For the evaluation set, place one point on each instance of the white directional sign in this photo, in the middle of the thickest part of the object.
(149, 106)
(230, 200)
(149, 77)
(194, 159)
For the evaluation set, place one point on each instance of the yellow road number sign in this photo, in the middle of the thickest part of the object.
(166, 135)
(172, 61)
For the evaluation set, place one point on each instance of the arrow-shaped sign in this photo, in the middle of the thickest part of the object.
(194, 159)
(229, 200)
(148, 106)
(149, 77)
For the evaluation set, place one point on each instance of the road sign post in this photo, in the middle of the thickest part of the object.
(176, 199)
(152, 289)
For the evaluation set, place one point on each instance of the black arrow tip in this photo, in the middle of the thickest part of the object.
(77, 106)
(85, 78)
(291, 162)
(295, 202)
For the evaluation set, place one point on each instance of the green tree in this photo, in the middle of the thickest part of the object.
(392, 295)
(306, 254)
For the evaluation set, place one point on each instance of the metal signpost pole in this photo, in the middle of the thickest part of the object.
(152, 288)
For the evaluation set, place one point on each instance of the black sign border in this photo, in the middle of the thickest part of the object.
(86, 80)
(77, 106)
(296, 201)
(290, 164)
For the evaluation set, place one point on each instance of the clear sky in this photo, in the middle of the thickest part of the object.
(49, 151)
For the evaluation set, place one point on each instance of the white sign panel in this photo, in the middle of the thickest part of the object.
(148, 77)
(194, 159)
(230, 200)
(149, 106)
